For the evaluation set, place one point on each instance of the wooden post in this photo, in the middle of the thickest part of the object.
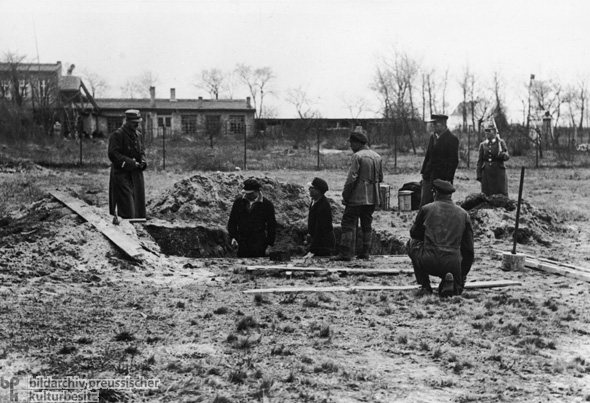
(518, 210)
(164, 147)
(245, 148)
(318, 140)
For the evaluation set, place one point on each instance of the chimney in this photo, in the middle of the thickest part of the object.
(200, 98)
(248, 105)
(172, 94)
(152, 97)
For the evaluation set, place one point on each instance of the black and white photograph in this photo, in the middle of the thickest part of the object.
(227, 201)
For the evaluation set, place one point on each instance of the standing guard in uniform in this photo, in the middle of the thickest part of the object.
(126, 184)
(491, 171)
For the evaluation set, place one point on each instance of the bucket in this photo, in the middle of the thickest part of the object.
(385, 194)
(404, 200)
(512, 262)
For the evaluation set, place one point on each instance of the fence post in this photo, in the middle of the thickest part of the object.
(164, 147)
(245, 149)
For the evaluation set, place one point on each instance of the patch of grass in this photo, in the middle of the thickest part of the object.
(402, 339)
(513, 328)
(222, 399)
(326, 367)
(131, 350)
(84, 340)
(221, 311)
(152, 339)
(311, 302)
(247, 322)
(281, 350)
(67, 349)
(437, 353)
(260, 299)
(288, 329)
(323, 297)
(551, 304)
(306, 360)
(237, 376)
(325, 332)
(125, 335)
(424, 346)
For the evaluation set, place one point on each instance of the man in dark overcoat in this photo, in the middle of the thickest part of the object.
(441, 243)
(127, 155)
(441, 159)
(491, 171)
(319, 222)
(252, 225)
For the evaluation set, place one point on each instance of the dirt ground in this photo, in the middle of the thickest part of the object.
(74, 305)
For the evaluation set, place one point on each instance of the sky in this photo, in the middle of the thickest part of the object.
(328, 48)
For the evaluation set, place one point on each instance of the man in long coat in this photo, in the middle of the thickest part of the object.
(491, 171)
(252, 225)
(319, 222)
(360, 196)
(441, 159)
(126, 184)
(441, 243)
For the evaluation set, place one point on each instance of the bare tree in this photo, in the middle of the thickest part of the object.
(259, 83)
(211, 81)
(304, 105)
(98, 84)
(139, 86)
(14, 76)
(355, 106)
(547, 98)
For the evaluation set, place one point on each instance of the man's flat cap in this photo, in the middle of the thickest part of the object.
(319, 184)
(490, 127)
(443, 187)
(251, 185)
(133, 115)
(438, 118)
(358, 135)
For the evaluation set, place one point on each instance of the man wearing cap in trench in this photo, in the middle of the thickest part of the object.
(441, 159)
(360, 195)
(127, 155)
(441, 243)
(252, 225)
(319, 223)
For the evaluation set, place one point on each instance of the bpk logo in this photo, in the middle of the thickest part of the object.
(10, 383)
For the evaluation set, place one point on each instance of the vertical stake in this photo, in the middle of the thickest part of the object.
(518, 210)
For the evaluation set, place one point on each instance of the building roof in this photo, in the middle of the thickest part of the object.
(179, 104)
(69, 83)
(34, 67)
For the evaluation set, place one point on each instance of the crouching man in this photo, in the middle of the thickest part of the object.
(441, 243)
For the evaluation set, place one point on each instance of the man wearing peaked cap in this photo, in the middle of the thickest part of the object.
(360, 196)
(441, 158)
(441, 243)
(491, 171)
(252, 225)
(127, 156)
(321, 238)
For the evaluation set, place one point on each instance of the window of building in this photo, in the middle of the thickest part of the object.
(113, 123)
(5, 89)
(213, 124)
(189, 124)
(165, 121)
(237, 124)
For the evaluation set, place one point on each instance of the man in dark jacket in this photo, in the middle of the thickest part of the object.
(126, 184)
(360, 196)
(252, 225)
(441, 243)
(319, 222)
(441, 159)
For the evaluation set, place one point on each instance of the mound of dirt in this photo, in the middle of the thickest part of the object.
(191, 218)
(494, 217)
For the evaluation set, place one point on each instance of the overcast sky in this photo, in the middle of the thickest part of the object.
(328, 47)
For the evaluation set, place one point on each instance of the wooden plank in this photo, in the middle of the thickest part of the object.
(329, 269)
(563, 271)
(470, 285)
(129, 245)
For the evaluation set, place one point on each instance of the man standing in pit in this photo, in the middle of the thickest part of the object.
(441, 243)
(319, 222)
(442, 157)
(252, 226)
(360, 195)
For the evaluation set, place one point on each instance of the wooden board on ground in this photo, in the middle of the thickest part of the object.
(471, 285)
(550, 268)
(129, 245)
(328, 269)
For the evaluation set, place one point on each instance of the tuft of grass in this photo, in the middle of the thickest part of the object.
(246, 323)
(237, 376)
(281, 350)
(66, 349)
(260, 299)
(325, 332)
(424, 346)
(221, 399)
(221, 311)
(131, 350)
(84, 340)
(402, 339)
(326, 367)
(125, 335)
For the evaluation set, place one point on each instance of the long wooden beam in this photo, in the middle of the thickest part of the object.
(255, 269)
(553, 267)
(471, 285)
(127, 244)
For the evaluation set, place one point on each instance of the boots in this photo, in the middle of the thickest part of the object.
(346, 247)
(364, 254)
